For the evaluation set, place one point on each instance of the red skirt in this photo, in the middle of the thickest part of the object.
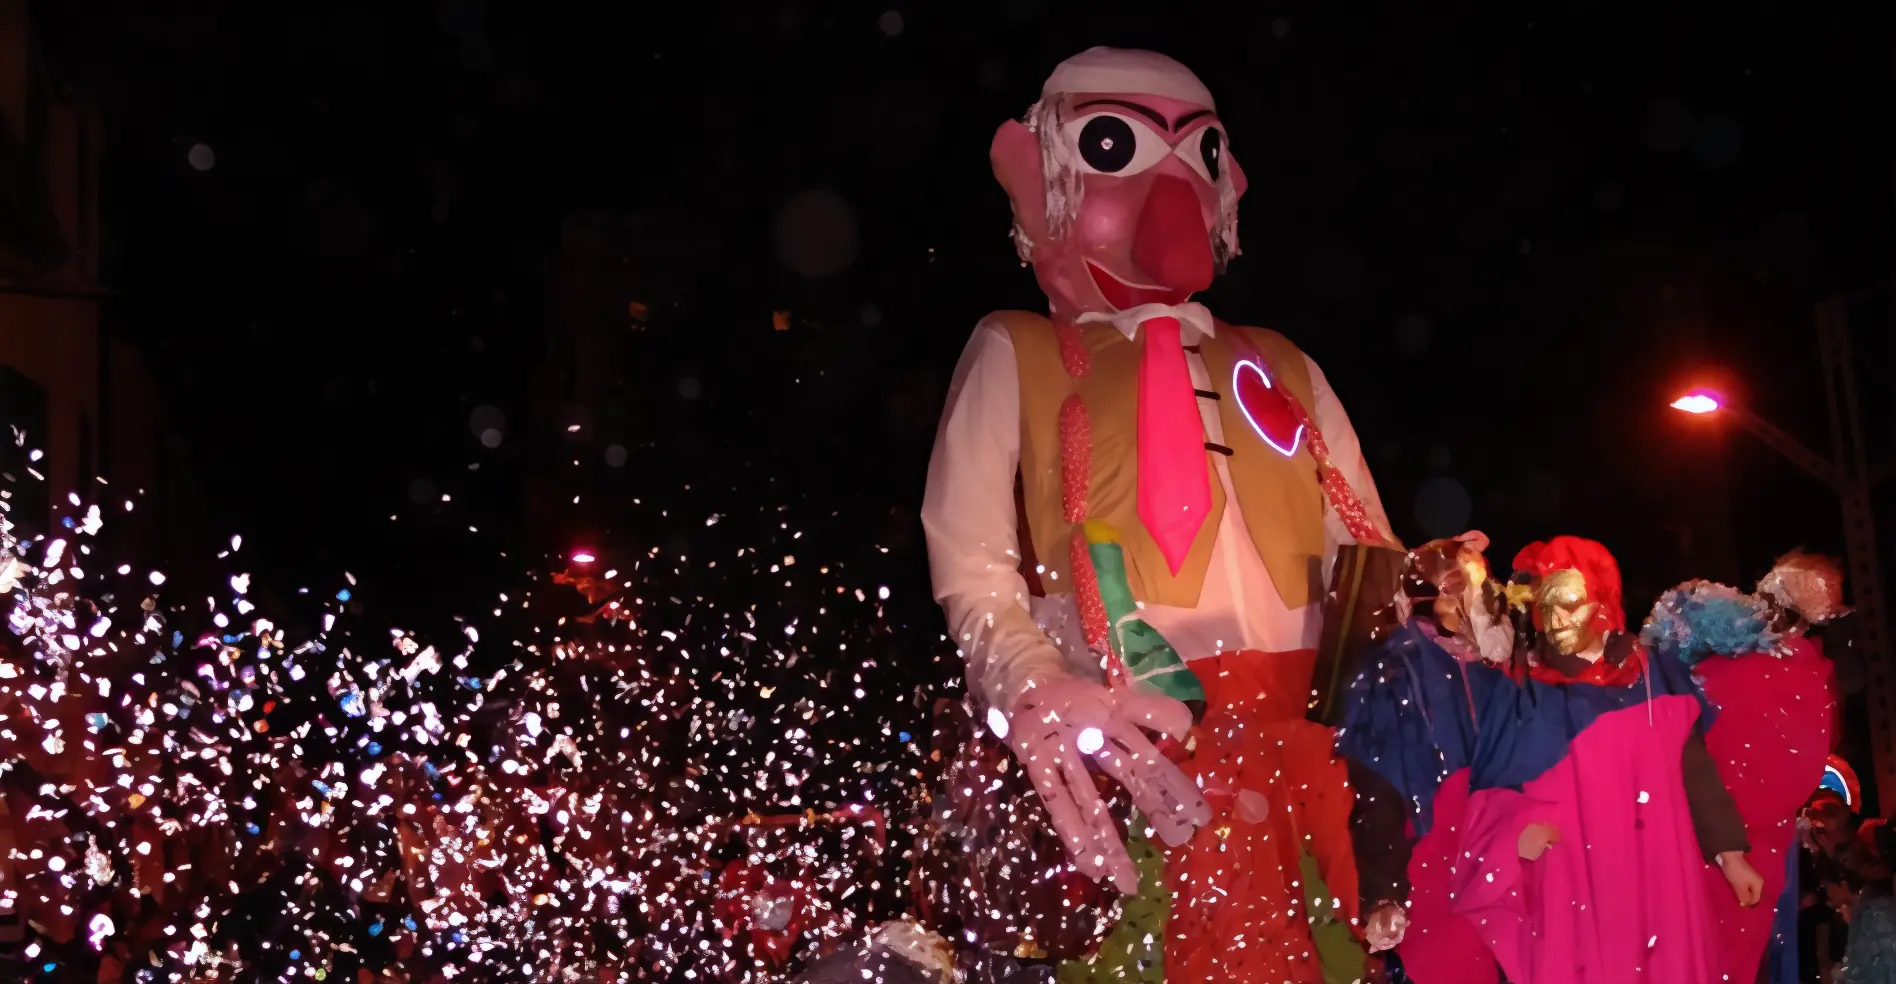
(1276, 789)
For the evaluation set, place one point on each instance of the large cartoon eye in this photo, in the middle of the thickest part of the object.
(1109, 143)
(1205, 152)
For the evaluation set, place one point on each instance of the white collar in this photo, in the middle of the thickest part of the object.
(1128, 321)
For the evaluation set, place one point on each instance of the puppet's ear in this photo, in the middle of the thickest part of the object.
(1015, 155)
(1238, 184)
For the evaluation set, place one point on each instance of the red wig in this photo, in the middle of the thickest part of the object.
(1591, 559)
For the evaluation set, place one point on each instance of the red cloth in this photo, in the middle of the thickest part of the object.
(1174, 478)
(1604, 672)
(1770, 740)
(1441, 946)
(1237, 906)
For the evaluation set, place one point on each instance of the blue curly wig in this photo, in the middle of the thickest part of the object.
(1698, 619)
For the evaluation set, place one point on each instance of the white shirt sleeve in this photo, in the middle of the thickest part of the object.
(1346, 452)
(968, 515)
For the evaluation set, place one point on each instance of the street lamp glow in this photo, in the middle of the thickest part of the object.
(1698, 401)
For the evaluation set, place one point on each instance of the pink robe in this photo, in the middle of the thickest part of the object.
(1440, 946)
(1770, 739)
(1623, 897)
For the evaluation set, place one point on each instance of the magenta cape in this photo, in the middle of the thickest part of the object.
(1622, 898)
(1775, 716)
(1440, 946)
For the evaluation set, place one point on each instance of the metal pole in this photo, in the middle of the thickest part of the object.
(1859, 532)
(1790, 447)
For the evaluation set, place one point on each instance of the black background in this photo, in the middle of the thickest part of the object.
(1509, 235)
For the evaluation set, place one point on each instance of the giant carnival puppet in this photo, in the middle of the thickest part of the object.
(1130, 511)
(1567, 806)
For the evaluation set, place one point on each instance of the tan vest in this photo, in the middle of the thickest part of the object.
(1280, 497)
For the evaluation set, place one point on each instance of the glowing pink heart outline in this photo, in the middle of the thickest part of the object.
(1237, 373)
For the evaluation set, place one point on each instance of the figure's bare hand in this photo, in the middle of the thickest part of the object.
(1537, 838)
(1385, 926)
(1745, 881)
(1056, 726)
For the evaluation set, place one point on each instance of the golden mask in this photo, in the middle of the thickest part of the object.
(1463, 590)
(1562, 611)
(1448, 575)
(1448, 613)
(1474, 569)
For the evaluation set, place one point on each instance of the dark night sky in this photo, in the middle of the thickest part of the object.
(1507, 237)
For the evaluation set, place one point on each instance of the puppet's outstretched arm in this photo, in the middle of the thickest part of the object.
(968, 515)
(1053, 716)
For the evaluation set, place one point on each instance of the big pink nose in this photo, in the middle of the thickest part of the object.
(1171, 245)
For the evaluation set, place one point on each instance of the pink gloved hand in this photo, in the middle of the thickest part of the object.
(1057, 725)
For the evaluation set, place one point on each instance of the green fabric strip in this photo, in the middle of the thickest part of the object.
(1135, 952)
(1341, 955)
(1148, 657)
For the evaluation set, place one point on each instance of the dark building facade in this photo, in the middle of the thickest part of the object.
(68, 389)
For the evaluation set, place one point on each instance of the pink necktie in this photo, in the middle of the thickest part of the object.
(1174, 483)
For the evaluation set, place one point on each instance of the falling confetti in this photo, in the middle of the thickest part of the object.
(684, 789)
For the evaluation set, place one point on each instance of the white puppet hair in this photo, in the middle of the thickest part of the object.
(1060, 173)
(1224, 231)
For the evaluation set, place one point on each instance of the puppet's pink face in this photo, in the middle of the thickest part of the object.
(1150, 169)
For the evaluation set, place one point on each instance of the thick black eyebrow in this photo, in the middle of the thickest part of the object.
(1144, 111)
(1149, 113)
(1188, 117)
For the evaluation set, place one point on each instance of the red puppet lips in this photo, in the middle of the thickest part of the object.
(1124, 296)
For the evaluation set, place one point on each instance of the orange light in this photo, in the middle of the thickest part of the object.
(1698, 401)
